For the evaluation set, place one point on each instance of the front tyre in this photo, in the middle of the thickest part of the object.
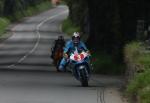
(84, 79)
(85, 83)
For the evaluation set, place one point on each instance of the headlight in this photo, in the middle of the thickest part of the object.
(81, 67)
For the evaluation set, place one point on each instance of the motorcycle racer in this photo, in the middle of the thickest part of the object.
(71, 46)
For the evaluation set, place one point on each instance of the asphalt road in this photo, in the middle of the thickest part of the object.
(28, 76)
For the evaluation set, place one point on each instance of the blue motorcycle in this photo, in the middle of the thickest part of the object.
(79, 64)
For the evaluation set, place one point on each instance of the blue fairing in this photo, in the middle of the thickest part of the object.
(75, 67)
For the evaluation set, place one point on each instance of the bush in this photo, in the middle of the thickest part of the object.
(30, 10)
(145, 94)
(139, 59)
(68, 27)
(140, 86)
(103, 63)
(132, 51)
(3, 25)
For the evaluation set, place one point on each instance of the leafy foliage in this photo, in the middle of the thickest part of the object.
(138, 61)
(12, 7)
(3, 24)
(103, 64)
(68, 27)
(18, 9)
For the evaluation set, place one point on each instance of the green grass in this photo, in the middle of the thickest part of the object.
(144, 59)
(136, 55)
(18, 15)
(140, 84)
(131, 51)
(3, 25)
(104, 64)
(63, 2)
(68, 27)
(145, 94)
(31, 11)
(44, 6)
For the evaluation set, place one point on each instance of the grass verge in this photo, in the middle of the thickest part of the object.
(139, 85)
(104, 64)
(68, 27)
(18, 15)
(3, 25)
(30, 11)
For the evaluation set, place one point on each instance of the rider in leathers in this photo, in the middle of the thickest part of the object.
(70, 47)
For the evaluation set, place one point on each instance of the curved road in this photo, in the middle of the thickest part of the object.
(28, 49)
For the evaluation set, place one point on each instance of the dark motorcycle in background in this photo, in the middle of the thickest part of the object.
(57, 56)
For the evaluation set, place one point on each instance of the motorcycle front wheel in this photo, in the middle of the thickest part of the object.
(84, 80)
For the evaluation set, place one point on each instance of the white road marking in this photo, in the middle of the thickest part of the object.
(39, 37)
(11, 66)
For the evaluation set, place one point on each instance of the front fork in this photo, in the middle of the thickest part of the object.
(87, 74)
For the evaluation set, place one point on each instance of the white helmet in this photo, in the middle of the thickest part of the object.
(76, 38)
(76, 34)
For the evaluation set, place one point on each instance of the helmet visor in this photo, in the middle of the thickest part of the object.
(76, 40)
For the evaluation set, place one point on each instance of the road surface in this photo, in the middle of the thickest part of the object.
(28, 76)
